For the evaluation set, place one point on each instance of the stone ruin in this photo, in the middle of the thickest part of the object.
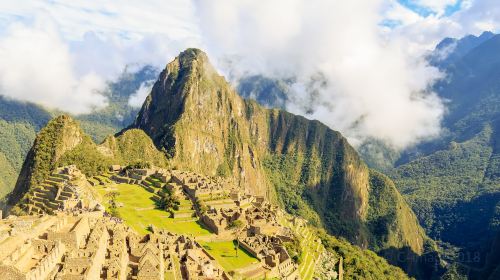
(82, 243)
(65, 189)
(91, 246)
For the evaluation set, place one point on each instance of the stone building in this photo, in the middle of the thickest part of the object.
(270, 251)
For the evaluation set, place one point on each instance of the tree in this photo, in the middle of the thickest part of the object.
(236, 246)
(169, 201)
(236, 224)
(113, 209)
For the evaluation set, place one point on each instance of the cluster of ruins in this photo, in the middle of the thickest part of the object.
(89, 246)
(79, 240)
(62, 190)
(227, 212)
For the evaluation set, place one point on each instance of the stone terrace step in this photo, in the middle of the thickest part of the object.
(185, 208)
(39, 194)
(53, 183)
(65, 197)
(38, 199)
(61, 176)
(34, 208)
(56, 178)
(183, 214)
(66, 193)
(218, 201)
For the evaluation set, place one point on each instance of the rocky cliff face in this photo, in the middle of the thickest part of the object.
(203, 125)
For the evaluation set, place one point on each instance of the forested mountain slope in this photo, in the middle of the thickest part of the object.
(453, 183)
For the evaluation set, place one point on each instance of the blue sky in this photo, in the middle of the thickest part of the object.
(426, 11)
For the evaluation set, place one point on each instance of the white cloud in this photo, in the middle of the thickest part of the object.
(130, 19)
(373, 87)
(376, 83)
(140, 95)
(37, 66)
(73, 47)
(478, 16)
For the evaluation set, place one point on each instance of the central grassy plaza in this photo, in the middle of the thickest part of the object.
(138, 210)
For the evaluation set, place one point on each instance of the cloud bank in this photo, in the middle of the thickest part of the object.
(347, 73)
(37, 67)
(356, 65)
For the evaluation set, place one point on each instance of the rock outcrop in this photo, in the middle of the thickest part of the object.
(59, 136)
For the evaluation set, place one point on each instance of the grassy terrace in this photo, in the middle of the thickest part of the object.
(139, 211)
(224, 253)
(311, 250)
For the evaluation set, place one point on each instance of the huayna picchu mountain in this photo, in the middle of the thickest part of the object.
(194, 120)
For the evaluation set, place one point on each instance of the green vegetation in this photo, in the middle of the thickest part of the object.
(136, 206)
(112, 205)
(168, 201)
(223, 170)
(281, 170)
(134, 147)
(225, 254)
(7, 174)
(454, 192)
(87, 158)
(359, 263)
(294, 249)
(236, 224)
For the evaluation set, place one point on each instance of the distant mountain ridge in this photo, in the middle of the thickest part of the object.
(453, 183)
(449, 50)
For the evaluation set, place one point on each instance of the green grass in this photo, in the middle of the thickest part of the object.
(224, 253)
(169, 275)
(139, 211)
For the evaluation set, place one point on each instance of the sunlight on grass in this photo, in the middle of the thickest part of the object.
(139, 211)
(224, 253)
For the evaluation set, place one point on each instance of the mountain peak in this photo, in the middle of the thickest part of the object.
(192, 54)
(189, 61)
(187, 82)
(197, 118)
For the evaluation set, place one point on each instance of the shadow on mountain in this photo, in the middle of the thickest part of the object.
(425, 266)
